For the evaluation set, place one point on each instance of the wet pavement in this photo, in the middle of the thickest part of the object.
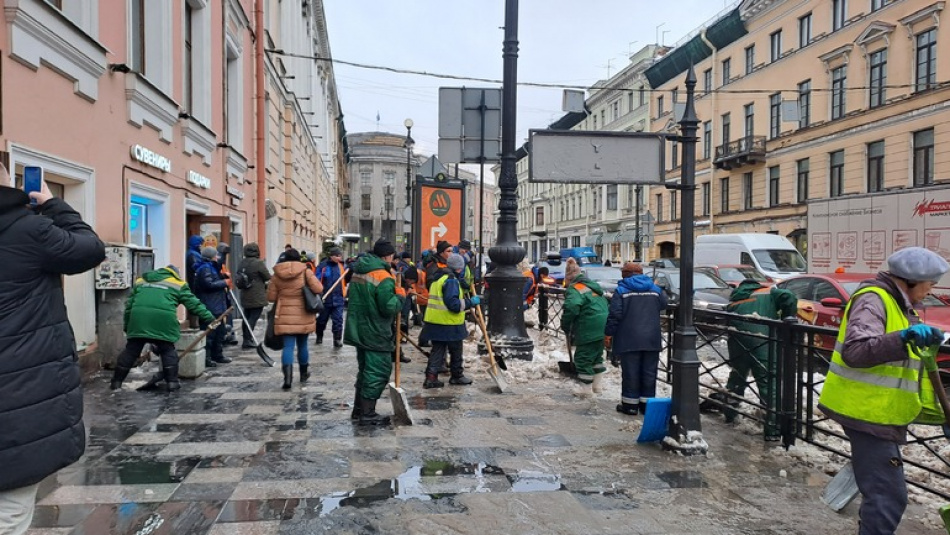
(232, 453)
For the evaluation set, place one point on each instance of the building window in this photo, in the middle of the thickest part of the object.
(138, 223)
(366, 202)
(775, 46)
(725, 128)
(749, 59)
(878, 75)
(836, 174)
(875, 166)
(563, 211)
(137, 35)
(366, 178)
(674, 205)
(575, 241)
(924, 157)
(389, 177)
(674, 155)
(564, 243)
(804, 104)
(630, 105)
(539, 216)
(724, 194)
(603, 117)
(611, 196)
(233, 88)
(707, 201)
(775, 115)
(802, 184)
(804, 31)
(659, 106)
(774, 186)
(188, 58)
(747, 191)
(674, 95)
(707, 139)
(839, 14)
(659, 207)
(749, 119)
(643, 95)
(594, 117)
(707, 81)
(876, 4)
(616, 109)
(726, 65)
(926, 60)
(839, 78)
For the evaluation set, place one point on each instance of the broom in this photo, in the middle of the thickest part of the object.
(401, 413)
(258, 346)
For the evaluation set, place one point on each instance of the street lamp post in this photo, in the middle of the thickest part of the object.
(408, 124)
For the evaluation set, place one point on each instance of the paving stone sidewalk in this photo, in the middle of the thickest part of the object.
(232, 453)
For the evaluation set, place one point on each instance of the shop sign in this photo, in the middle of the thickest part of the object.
(199, 180)
(150, 158)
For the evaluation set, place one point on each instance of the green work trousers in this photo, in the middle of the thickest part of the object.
(374, 370)
(589, 360)
(747, 354)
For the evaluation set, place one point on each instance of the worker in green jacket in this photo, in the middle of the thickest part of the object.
(754, 352)
(374, 302)
(151, 317)
(583, 318)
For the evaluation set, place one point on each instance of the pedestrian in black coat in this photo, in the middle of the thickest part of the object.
(41, 428)
(254, 297)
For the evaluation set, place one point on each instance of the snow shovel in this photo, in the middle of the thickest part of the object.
(159, 376)
(258, 346)
(405, 337)
(497, 376)
(338, 281)
(841, 490)
(401, 414)
(568, 368)
(656, 419)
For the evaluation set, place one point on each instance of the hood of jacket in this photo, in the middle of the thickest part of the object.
(370, 262)
(194, 243)
(160, 275)
(594, 286)
(13, 206)
(252, 250)
(636, 283)
(745, 290)
(289, 270)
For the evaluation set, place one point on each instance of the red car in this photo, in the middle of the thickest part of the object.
(822, 298)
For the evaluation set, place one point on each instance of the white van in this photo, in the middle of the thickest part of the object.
(773, 255)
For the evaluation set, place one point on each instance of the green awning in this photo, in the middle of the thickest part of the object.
(611, 237)
(593, 239)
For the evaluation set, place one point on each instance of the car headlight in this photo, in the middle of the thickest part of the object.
(699, 303)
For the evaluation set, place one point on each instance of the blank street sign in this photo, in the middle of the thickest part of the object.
(585, 157)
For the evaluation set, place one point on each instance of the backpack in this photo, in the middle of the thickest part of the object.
(242, 280)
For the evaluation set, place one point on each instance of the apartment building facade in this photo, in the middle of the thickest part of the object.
(556, 216)
(800, 101)
(142, 116)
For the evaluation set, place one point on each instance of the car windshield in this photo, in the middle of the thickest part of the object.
(739, 274)
(781, 260)
(603, 273)
(587, 260)
(701, 281)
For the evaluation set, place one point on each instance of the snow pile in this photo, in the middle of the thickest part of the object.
(692, 444)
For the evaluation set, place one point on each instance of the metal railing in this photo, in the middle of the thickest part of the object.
(745, 146)
(786, 359)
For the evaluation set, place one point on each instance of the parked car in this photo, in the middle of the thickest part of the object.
(555, 265)
(606, 277)
(584, 256)
(734, 274)
(665, 263)
(710, 292)
(823, 297)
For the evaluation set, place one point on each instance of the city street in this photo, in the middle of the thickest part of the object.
(232, 453)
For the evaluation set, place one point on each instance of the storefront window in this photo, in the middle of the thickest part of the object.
(138, 223)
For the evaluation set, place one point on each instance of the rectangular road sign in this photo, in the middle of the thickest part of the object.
(441, 209)
(586, 157)
(463, 111)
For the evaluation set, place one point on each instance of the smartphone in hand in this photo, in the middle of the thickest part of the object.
(32, 180)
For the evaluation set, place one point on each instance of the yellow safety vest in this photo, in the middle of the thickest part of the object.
(436, 311)
(893, 393)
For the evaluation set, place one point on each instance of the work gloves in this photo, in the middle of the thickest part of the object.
(475, 300)
(922, 335)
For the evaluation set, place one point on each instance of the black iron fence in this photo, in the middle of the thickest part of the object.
(785, 364)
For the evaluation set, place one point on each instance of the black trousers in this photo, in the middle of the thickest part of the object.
(252, 315)
(437, 357)
(133, 348)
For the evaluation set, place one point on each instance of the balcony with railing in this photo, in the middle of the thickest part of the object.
(748, 150)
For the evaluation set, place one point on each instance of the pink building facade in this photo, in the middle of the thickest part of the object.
(141, 114)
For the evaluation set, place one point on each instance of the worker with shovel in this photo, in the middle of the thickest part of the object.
(584, 319)
(374, 302)
(876, 386)
(151, 317)
(633, 331)
(444, 323)
(329, 272)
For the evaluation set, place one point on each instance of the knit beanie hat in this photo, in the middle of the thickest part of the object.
(571, 270)
(383, 247)
(442, 246)
(209, 253)
(455, 262)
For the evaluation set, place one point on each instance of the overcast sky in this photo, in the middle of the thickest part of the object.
(561, 41)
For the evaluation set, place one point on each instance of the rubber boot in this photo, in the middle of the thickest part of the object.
(357, 410)
(288, 376)
(152, 383)
(583, 390)
(171, 378)
(598, 385)
(368, 414)
(304, 372)
(628, 408)
(319, 338)
(432, 381)
(337, 342)
(118, 376)
(404, 358)
(459, 379)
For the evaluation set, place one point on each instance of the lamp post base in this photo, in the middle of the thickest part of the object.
(684, 442)
(510, 348)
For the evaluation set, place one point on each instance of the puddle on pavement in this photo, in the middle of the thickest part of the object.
(683, 479)
(437, 480)
(133, 471)
(423, 403)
